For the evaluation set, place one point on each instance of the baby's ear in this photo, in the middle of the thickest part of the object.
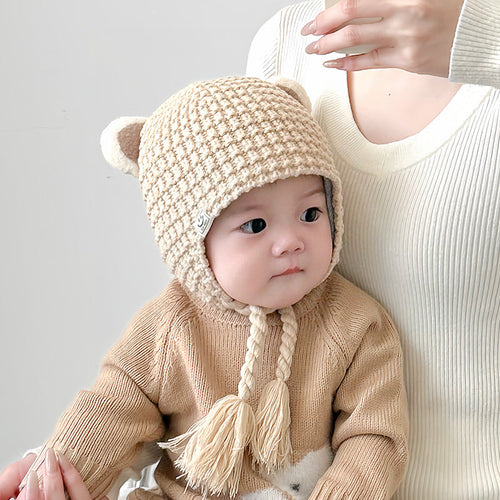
(120, 142)
(294, 89)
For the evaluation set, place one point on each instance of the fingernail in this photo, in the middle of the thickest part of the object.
(32, 483)
(332, 64)
(309, 28)
(61, 459)
(51, 461)
(312, 48)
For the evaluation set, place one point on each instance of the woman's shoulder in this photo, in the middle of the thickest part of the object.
(303, 11)
(289, 20)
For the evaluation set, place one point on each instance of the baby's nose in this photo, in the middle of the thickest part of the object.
(289, 242)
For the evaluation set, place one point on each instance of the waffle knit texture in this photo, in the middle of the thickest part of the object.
(422, 236)
(212, 142)
(179, 355)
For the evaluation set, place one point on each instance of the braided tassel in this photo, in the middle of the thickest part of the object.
(212, 450)
(271, 446)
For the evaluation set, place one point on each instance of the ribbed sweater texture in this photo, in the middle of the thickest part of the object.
(179, 356)
(422, 235)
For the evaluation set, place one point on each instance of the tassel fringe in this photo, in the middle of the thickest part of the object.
(271, 446)
(212, 450)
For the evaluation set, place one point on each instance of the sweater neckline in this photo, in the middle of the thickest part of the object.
(334, 113)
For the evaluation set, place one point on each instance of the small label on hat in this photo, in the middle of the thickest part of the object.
(203, 223)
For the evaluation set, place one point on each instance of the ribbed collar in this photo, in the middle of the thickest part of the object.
(333, 111)
(329, 91)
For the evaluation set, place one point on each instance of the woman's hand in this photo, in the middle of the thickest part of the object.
(58, 475)
(11, 477)
(414, 35)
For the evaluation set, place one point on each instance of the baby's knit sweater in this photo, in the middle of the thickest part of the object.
(179, 356)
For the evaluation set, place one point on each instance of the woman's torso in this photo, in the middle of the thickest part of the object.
(422, 235)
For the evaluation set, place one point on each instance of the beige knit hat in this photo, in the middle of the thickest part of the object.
(199, 151)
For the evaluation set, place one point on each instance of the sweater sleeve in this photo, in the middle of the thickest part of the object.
(371, 429)
(475, 56)
(104, 430)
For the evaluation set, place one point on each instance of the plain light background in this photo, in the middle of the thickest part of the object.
(77, 254)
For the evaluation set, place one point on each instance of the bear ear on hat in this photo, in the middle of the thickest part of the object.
(120, 142)
(294, 89)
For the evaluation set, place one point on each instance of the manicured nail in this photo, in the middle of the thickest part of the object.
(32, 484)
(332, 64)
(312, 48)
(51, 461)
(309, 28)
(338, 63)
(61, 460)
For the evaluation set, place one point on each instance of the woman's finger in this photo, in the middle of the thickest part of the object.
(32, 490)
(342, 13)
(374, 35)
(53, 487)
(375, 59)
(72, 480)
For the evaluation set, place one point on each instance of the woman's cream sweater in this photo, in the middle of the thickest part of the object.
(422, 236)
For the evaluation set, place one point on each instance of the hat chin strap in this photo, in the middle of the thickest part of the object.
(212, 450)
(271, 447)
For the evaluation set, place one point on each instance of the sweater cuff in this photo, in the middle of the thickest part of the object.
(364, 467)
(475, 55)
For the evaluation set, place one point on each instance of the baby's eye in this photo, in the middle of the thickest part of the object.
(310, 215)
(254, 226)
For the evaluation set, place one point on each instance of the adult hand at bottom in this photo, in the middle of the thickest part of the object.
(59, 474)
(414, 35)
(11, 477)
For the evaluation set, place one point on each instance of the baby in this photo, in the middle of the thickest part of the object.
(259, 371)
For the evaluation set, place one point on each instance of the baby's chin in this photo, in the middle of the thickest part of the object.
(280, 303)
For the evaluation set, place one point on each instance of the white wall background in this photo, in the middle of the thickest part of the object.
(77, 255)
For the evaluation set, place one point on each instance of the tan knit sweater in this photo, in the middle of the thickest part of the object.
(179, 356)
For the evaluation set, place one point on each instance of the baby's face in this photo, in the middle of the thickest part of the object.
(272, 245)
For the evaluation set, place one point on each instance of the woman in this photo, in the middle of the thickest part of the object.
(419, 161)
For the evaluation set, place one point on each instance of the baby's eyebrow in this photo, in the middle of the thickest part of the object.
(312, 192)
(243, 209)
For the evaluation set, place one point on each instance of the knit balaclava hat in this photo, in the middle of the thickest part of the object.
(199, 151)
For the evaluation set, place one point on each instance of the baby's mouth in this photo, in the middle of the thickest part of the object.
(290, 270)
